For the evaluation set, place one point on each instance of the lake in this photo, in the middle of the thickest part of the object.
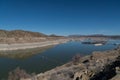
(51, 57)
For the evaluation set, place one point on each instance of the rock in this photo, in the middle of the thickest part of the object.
(117, 70)
(101, 66)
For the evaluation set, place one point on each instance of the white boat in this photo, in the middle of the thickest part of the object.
(98, 44)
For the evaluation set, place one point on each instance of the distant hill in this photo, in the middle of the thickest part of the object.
(97, 35)
(21, 36)
(20, 33)
(53, 35)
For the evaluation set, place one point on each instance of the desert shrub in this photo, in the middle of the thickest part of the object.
(18, 73)
(76, 58)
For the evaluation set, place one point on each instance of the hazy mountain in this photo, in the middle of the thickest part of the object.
(96, 35)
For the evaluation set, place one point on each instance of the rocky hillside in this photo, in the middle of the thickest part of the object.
(21, 36)
(20, 33)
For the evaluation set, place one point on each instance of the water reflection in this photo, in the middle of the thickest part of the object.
(22, 54)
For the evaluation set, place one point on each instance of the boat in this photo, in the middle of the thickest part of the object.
(96, 43)
(99, 44)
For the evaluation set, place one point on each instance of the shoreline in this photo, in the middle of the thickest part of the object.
(19, 46)
(97, 66)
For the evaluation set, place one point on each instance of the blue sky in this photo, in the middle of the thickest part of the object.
(62, 17)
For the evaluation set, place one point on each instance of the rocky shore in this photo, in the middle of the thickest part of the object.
(97, 66)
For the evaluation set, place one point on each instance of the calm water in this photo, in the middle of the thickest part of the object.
(51, 58)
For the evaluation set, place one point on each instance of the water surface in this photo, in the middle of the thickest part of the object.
(50, 58)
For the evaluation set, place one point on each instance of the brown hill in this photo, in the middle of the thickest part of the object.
(20, 33)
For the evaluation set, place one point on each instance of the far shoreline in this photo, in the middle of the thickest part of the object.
(23, 46)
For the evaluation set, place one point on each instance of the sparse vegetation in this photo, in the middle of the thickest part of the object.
(76, 58)
(18, 74)
(20, 33)
(21, 36)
